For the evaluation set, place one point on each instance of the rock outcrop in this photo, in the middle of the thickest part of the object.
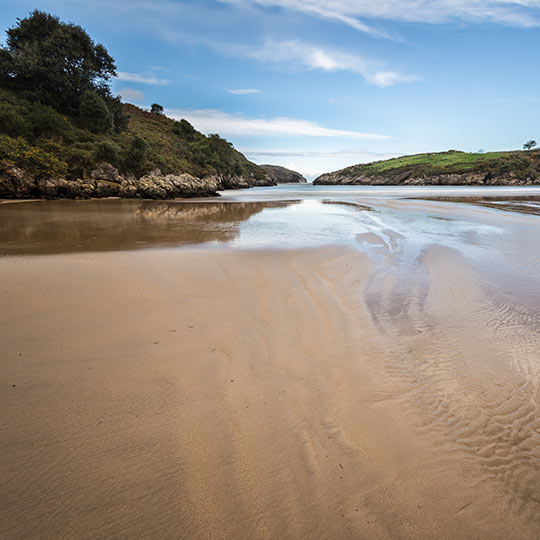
(410, 179)
(105, 181)
(281, 175)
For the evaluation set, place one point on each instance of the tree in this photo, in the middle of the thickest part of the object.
(157, 109)
(94, 114)
(529, 144)
(186, 131)
(135, 159)
(54, 61)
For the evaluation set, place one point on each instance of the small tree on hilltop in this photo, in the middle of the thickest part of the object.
(157, 109)
(529, 145)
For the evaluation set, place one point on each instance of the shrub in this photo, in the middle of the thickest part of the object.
(106, 151)
(12, 123)
(79, 162)
(94, 114)
(41, 163)
(46, 122)
(135, 159)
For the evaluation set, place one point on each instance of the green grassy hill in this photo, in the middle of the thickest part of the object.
(445, 167)
(38, 138)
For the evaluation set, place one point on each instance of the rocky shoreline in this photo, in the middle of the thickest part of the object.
(105, 181)
(410, 179)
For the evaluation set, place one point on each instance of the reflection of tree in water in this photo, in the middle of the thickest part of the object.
(78, 226)
(180, 212)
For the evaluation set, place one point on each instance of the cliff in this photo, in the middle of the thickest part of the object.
(444, 168)
(281, 175)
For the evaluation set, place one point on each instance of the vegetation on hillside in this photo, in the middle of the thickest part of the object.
(522, 164)
(58, 116)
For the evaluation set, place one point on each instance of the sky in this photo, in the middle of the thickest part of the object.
(317, 85)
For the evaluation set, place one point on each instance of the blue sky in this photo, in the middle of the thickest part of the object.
(317, 85)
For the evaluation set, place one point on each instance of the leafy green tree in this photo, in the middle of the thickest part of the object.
(529, 145)
(94, 114)
(107, 151)
(54, 61)
(135, 160)
(157, 109)
(186, 131)
(120, 120)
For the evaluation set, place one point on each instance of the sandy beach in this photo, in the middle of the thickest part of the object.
(263, 393)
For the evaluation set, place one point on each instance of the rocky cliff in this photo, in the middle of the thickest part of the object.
(281, 175)
(105, 181)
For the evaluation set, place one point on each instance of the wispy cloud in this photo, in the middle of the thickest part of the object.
(243, 91)
(129, 94)
(140, 78)
(305, 56)
(352, 12)
(211, 121)
(361, 154)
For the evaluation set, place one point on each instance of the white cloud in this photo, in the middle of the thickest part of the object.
(360, 154)
(351, 12)
(215, 121)
(299, 55)
(129, 94)
(243, 91)
(140, 78)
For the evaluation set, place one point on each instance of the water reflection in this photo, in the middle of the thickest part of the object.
(47, 227)
(337, 217)
(521, 205)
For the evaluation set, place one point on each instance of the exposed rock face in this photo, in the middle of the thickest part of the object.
(105, 181)
(281, 175)
(408, 179)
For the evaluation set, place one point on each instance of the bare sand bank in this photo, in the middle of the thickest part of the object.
(263, 394)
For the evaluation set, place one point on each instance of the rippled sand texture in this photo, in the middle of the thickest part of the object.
(384, 387)
(321, 393)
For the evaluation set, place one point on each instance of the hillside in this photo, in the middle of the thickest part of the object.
(63, 133)
(282, 175)
(46, 154)
(443, 168)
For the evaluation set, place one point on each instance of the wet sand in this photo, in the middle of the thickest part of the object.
(253, 395)
(383, 389)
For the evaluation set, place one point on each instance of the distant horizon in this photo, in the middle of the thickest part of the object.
(315, 87)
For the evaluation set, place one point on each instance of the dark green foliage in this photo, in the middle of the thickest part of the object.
(529, 145)
(46, 122)
(94, 114)
(54, 61)
(12, 122)
(79, 161)
(108, 152)
(186, 131)
(120, 120)
(156, 109)
(135, 161)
